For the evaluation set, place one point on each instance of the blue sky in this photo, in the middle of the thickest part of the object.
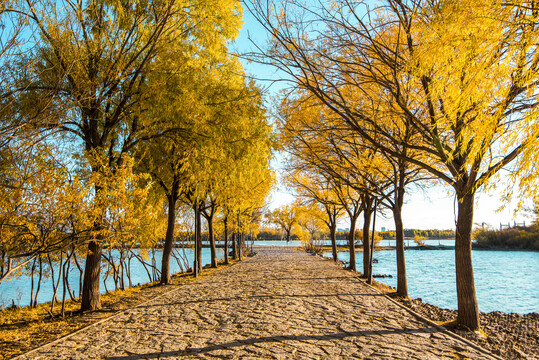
(432, 208)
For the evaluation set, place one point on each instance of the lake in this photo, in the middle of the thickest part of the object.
(17, 289)
(506, 281)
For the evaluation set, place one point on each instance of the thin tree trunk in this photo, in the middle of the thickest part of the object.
(67, 266)
(213, 250)
(333, 235)
(122, 269)
(65, 278)
(32, 282)
(39, 280)
(366, 241)
(402, 284)
(468, 310)
(129, 258)
(91, 299)
(240, 248)
(106, 276)
(198, 241)
(154, 267)
(70, 292)
(226, 239)
(351, 242)
(169, 238)
(81, 272)
(55, 288)
(234, 247)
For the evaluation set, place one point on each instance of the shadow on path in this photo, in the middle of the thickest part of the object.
(269, 339)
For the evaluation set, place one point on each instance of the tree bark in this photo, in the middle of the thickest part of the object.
(90, 298)
(468, 310)
(351, 242)
(226, 240)
(402, 284)
(239, 246)
(169, 239)
(366, 241)
(234, 247)
(333, 234)
(212, 242)
(198, 241)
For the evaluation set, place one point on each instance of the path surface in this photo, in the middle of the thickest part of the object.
(280, 304)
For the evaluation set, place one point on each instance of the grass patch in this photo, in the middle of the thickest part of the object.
(448, 324)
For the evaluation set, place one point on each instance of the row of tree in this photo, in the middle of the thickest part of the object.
(425, 234)
(394, 92)
(113, 114)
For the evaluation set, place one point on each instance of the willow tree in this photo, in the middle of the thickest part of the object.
(182, 105)
(475, 113)
(90, 64)
(317, 143)
(286, 217)
(238, 146)
(44, 207)
(314, 186)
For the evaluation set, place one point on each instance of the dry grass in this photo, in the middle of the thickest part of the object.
(24, 329)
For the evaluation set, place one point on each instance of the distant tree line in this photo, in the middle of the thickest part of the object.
(425, 234)
(521, 237)
(343, 235)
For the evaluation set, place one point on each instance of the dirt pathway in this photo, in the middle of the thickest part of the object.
(280, 304)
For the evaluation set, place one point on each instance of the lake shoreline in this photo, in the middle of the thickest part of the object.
(509, 335)
(23, 328)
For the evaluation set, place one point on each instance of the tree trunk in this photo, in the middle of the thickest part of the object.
(198, 241)
(226, 240)
(90, 298)
(468, 311)
(39, 280)
(366, 241)
(213, 251)
(240, 247)
(351, 242)
(402, 285)
(234, 247)
(333, 234)
(32, 283)
(169, 239)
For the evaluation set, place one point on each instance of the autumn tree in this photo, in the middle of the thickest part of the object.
(315, 187)
(310, 219)
(43, 207)
(91, 65)
(286, 217)
(474, 113)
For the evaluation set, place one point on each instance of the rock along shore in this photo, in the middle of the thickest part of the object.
(280, 304)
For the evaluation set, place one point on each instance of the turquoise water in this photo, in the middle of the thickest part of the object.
(17, 289)
(506, 281)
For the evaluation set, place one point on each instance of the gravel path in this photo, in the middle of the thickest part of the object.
(280, 304)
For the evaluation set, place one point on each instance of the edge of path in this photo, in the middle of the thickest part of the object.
(246, 259)
(417, 315)
(120, 312)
